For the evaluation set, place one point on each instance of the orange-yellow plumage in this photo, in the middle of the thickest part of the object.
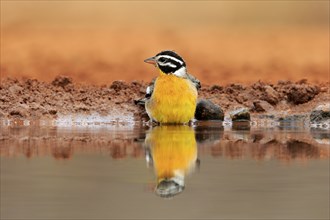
(173, 100)
(174, 150)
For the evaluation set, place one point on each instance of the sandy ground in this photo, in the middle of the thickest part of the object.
(33, 99)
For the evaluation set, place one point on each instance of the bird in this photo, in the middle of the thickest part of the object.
(171, 98)
(172, 152)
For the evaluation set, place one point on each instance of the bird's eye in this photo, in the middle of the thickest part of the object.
(162, 59)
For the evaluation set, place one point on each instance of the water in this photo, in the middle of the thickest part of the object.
(135, 172)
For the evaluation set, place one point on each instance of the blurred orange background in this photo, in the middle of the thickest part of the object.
(222, 42)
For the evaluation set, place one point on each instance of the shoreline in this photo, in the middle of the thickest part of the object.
(33, 99)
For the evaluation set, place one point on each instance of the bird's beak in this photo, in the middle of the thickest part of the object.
(151, 60)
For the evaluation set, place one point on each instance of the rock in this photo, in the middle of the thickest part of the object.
(320, 114)
(241, 114)
(62, 81)
(262, 106)
(270, 95)
(207, 110)
(299, 94)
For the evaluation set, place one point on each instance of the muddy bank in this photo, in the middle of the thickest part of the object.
(33, 99)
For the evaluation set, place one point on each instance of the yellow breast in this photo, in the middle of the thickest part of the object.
(174, 149)
(173, 100)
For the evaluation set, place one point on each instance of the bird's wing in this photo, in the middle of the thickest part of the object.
(195, 81)
(150, 89)
(148, 94)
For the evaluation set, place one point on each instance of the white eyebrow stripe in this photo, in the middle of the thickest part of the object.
(167, 64)
(170, 57)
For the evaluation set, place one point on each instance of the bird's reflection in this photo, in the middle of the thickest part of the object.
(172, 150)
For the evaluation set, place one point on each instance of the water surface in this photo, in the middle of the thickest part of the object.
(136, 172)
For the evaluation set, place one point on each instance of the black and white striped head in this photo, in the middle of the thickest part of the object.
(169, 62)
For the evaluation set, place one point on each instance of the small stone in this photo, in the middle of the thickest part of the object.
(270, 95)
(207, 110)
(262, 106)
(299, 94)
(320, 114)
(241, 114)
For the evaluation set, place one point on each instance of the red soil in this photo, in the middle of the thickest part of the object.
(35, 99)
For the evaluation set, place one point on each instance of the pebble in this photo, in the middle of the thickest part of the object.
(320, 114)
(241, 114)
(271, 95)
(262, 106)
(207, 110)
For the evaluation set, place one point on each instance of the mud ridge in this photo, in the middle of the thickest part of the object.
(33, 99)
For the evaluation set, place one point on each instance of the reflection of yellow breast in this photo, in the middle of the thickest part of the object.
(173, 150)
(173, 100)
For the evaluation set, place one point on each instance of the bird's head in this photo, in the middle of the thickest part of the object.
(169, 62)
(168, 188)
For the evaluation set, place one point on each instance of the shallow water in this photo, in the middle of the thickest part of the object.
(131, 171)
